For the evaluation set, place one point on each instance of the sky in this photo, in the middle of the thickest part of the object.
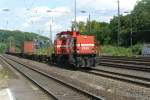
(37, 15)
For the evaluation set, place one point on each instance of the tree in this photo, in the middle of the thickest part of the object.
(99, 29)
(140, 19)
(141, 15)
(17, 38)
(81, 26)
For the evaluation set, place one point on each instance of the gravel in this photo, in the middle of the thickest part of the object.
(126, 71)
(108, 88)
(20, 87)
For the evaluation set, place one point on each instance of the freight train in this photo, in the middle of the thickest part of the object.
(70, 48)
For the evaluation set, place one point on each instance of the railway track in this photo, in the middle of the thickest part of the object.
(123, 63)
(147, 63)
(126, 63)
(129, 78)
(138, 80)
(56, 88)
(131, 59)
(126, 66)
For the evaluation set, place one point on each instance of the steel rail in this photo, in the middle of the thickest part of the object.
(126, 66)
(35, 82)
(126, 61)
(126, 58)
(141, 81)
(93, 96)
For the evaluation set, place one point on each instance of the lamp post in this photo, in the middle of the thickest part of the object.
(118, 35)
(50, 27)
(131, 30)
(51, 11)
(75, 14)
(89, 18)
(51, 35)
(6, 10)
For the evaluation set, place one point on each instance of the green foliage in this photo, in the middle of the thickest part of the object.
(5, 74)
(17, 38)
(106, 33)
(139, 19)
(99, 29)
(137, 49)
(3, 47)
(124, 30)
(81, 26)
(121, 51)
(141, 14)
(116, 51)
(42, 51)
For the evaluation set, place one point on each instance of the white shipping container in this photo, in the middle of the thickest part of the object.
(146, 50)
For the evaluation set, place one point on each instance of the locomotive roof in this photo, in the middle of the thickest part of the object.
(67, 32)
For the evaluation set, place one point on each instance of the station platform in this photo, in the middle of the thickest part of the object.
(5, 94)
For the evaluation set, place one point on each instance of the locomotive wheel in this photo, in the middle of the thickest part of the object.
(95, 63)
(83, 62)
(88, 62)
(80, 62)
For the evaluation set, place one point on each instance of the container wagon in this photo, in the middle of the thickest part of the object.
(70, 48)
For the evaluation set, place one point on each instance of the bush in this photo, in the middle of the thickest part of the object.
(137, 49)
(3, 47)
(121, 51)
(115, 51)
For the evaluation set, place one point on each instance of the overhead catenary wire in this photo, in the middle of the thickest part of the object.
(27, 6)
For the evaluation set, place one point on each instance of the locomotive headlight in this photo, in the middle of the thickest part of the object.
(85, 37)
(78, 51)
(93, 49)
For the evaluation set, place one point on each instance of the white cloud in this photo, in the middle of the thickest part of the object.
(37, 18)
(128, 4)
(55, 12)
(41, 10)
(81, 18)
(25, 24)
(55, 27)
(63, 10)
(106, 18)
(105, 4)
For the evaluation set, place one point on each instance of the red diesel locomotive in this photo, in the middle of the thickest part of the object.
(72, 48)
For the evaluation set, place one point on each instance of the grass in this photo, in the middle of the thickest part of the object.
(105, 50)
(44, 51)
(4, 74)
(3, 47)
(121, 51)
